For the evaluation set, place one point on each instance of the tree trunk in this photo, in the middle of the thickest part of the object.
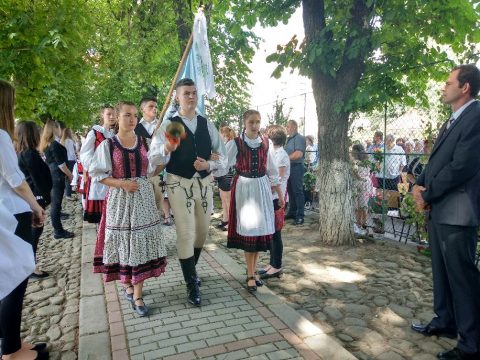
(334, 175)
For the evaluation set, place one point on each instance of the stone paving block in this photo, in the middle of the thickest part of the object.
(153, 338)
(210, 351)
(141, 349)
(301, 326)
(184, 331)
(196, 322)
(256, 325)
(95, 347)
(203, 335)
(248, 334)
(240, 344)
(234, 355)
(166, 328)
(93, 307)
(120, 355)
(269, 330)
(139, 334)
(192, 345)
(261, 349)
(223, 339)
(176, 319)
(160, 353)
(237, 321)
(90, 283)
(326, 347)
(282, 354)
(241, 314)
(202, 314)
(184, 356)
(231, 329)
(217, 325)
(172, 341)
(227, 310)
(223, 318)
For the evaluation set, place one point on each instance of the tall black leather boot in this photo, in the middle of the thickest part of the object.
(196, 254)
(190, 276)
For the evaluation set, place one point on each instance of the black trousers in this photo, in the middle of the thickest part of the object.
(56, 206)
(456, 282)
(295, 191)
(11, 305)
(68, 187)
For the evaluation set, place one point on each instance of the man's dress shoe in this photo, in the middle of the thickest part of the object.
(429, 330)
(457, 354)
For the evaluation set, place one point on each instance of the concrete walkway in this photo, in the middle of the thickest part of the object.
(230, 324)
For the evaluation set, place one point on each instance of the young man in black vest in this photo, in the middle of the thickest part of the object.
(188, 180)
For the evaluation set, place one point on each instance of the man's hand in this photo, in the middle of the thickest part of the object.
(171, 147)
(417, 196)
(201, 164)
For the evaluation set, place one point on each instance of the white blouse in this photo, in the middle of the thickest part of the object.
(10, 177)
(101, 165)
(70, 146)
(88, 147)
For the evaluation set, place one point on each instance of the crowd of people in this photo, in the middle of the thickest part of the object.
(128, 170)
(127, 173)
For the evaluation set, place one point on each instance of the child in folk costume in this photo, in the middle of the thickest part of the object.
(130, 245)
(94, 191)
(251, 218)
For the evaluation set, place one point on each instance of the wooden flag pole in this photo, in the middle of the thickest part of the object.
(175, 79)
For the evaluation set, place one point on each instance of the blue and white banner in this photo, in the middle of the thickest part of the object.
(198, 66)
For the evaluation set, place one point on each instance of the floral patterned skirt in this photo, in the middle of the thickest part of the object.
(130, 244)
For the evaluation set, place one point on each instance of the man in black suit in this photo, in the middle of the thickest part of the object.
(449, 188)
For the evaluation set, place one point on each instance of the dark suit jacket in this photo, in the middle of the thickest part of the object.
(452, 175)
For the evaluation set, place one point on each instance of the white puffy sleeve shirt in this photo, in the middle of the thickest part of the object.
(10, 177)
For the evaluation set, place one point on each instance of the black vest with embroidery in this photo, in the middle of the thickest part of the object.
(141, 131)
(198, 144)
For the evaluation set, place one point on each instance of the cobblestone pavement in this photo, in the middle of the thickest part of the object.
(50, 311)
(364, 296)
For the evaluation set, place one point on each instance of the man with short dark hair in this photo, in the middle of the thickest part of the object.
(188, 180)
(449, 188)
(295, 148)
(148, 123)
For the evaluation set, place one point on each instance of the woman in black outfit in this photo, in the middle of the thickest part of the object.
(56, 158)
(36, 173)
(17, 197)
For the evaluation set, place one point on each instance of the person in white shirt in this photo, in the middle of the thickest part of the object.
(69, 143)
(17, 197)
(388, 171)
(95, 192)
(188, 178)
(145, 128)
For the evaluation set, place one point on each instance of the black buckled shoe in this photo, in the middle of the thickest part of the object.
(430, 330)
(258, 282)
(141, 310)
(251, 288)
(299, 221)
(457, 354)
(269, 276)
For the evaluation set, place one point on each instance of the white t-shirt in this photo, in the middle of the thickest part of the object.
(282, 160)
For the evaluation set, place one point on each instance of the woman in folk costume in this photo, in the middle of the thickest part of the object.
(94, 191)
(251, 219)
(130, 245)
